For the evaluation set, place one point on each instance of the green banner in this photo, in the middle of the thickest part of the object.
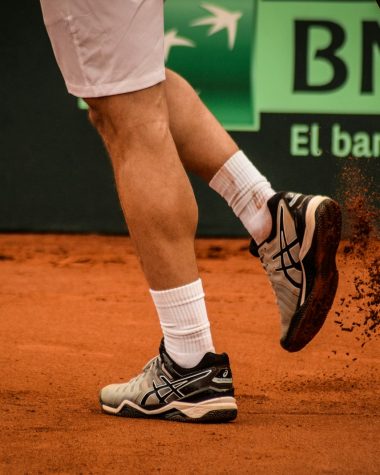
(247, 57)
(331, 47)
(213, 46)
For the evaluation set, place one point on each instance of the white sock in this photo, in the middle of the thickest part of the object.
(247, 191)
(184, 322)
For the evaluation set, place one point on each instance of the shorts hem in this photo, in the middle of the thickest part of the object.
(120, 87)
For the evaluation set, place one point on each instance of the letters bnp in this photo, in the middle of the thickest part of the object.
(306, 52)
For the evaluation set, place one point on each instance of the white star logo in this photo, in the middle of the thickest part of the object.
(171, 39)
(221, 19)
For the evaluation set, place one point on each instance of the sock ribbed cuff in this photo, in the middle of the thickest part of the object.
(179, 295)
(239, 182)
(184, 322)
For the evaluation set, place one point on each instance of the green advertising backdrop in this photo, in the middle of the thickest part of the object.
(348, 23)
(240, 55)
(218, 56)
(296, 82)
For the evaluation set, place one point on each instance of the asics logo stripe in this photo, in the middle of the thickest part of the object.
(164, 391)
(285, 250)
(294, 199)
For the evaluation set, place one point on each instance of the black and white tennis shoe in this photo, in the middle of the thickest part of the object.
(164, 390)
(299, 258)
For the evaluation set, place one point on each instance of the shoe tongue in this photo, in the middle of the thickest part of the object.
(209, 359)
(162, 347)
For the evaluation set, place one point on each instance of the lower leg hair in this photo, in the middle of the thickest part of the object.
(161, 212)
(208, 150)
(202, 143)
(154, 191)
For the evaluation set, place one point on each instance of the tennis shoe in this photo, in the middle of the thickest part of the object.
(165, 390)
(299, 258)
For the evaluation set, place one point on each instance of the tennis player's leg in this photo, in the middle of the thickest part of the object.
(111, 54)
(161, 213)
(154, 191)
(296, 236)
(207, 150)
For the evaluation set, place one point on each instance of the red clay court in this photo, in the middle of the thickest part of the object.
(76, 315)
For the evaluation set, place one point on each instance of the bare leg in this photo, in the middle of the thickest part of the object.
(306, 289)
(154, 191)
(202, 143)
(209, 151)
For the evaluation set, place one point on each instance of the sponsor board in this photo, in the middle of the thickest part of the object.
(246, 58)
(250, 57)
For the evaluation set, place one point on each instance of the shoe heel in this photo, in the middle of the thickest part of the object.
(215, 417)
(322, 271)
(328, 223)
(222, 409)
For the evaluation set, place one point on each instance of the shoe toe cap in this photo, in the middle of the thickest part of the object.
(111, 395)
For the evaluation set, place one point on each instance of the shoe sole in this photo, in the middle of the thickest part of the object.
(317, 257)
(223, 409)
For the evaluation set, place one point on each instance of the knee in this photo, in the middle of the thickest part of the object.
(140, 116)
(109, 115)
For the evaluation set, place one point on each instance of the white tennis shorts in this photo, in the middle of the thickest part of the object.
(107, 47)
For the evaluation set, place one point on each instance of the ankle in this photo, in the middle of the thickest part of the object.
(184, 322)
(247, 192)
